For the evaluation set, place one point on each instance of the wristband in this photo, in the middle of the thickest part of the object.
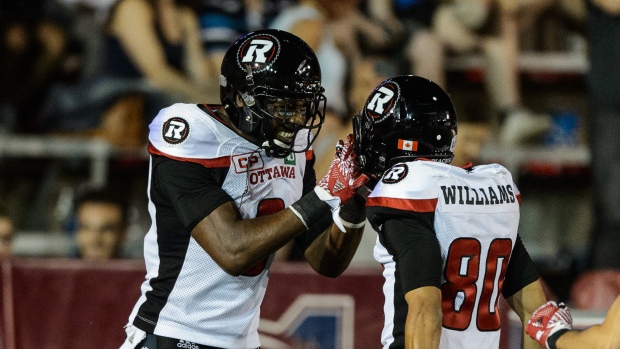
(310, 208)
(352, 225)
(333, 202)
(353, 213)
(554, 338)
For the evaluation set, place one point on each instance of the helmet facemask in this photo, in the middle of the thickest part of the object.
(371, 154)
(283, 115)
(270, 87)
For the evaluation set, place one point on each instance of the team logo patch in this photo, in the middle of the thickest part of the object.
(382, 101)
(257, 51)
(395, 174)
(175, 130)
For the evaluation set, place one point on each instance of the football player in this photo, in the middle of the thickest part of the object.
(447, 236)
(229, 185)
(552, 326)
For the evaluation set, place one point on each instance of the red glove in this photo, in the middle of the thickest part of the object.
(548, 320)
(343, 177)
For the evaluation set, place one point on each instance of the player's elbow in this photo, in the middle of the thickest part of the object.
(330, 273)
(231, 269)
(327, 267)
(233, 264)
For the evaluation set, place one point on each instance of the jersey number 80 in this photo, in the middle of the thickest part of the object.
(459, 292)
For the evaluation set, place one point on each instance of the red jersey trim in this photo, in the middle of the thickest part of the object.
(519, 199)
(309, 154)
(208, 163)
(415, 205)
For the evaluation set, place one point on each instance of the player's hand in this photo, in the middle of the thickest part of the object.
(547, 320)
(343, 177)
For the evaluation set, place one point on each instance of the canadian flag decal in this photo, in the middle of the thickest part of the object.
(407, 145)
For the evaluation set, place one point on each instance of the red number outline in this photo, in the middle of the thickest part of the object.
(487, 318)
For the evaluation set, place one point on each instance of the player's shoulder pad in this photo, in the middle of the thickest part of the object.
(410, 180)
(186, 131)
(492, 170)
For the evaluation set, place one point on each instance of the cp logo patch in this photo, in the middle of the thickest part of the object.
(382, 101)
(258, 51)
(175, 130)
(395, 174)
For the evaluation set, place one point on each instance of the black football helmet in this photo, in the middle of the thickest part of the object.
(267, 73)
(404, 118)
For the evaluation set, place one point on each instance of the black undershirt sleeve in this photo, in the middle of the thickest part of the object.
(309, 176)
(303, 241)
(521, 270)
(192, 189)
(410, 238)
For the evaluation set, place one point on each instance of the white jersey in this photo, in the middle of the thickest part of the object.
(476, 215)
(186, 295)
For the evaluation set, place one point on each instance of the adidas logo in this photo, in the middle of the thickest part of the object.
(187, 345)
(338, 186)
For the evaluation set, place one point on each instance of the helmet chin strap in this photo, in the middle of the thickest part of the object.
(276, 148)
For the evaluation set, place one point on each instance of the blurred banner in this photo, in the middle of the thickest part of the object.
(74, 304)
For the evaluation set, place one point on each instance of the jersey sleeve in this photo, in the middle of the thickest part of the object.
(521, 270)
(184, 131)
(309, 174)
(192, 189)
(410, 238)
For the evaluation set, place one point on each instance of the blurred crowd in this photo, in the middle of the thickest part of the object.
(81, 67)
(104, 68)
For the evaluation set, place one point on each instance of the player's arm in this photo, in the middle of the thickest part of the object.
(418, 257)
(603, 336)
(237, 244)
(331, 252)
(423, 326)
(522, 289)
(551, 325)
(194, 194)
(524, 303)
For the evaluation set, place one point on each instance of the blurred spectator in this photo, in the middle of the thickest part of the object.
(101, 218)
(32, 45)
(223, 21)
(152, 57)
(159, 40)
(421, 53)
(334, 30)
(6, 233)
(492, 28)
(604, 85)
(310, 21)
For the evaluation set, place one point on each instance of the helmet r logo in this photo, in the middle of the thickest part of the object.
(382, 100)
(175, 130)
(260, 47)
(258, 51)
